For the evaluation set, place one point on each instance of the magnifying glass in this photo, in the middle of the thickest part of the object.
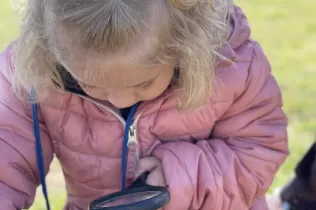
(139, 196)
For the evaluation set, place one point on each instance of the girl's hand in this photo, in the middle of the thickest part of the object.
(152, 165)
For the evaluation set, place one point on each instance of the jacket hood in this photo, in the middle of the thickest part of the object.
(239, 33)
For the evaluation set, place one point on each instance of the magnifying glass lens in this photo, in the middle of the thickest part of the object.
(129, 199)
(138, 196)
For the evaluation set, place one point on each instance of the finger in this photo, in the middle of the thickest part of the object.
(156, 178)
(147, 164)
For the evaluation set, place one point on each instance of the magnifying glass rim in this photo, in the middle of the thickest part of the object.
(163, 192)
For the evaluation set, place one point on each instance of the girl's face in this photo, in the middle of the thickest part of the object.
(118, 81)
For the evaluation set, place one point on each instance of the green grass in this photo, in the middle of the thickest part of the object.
(286, 30)
(8, 23)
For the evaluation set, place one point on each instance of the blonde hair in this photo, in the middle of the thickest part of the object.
(190, 32)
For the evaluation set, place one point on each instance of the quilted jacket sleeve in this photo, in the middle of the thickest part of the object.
(235, 167)
(18, 165)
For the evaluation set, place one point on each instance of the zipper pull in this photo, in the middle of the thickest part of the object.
(133, 147)
(133, 154)
(132, 137)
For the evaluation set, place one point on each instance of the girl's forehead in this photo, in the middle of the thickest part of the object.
(131, 66)
(113, 72)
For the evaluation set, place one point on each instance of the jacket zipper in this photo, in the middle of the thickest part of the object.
(132, 143)
(132, 134)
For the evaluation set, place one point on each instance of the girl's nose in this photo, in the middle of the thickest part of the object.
(122, 99)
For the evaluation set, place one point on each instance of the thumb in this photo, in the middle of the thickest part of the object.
(147, 164)
(156, 178)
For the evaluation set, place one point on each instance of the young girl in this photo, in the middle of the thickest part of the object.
(179, 79)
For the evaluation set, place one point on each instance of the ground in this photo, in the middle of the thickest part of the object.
(285, 29)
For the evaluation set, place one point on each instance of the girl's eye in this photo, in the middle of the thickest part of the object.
(146, 86)
(86, 87)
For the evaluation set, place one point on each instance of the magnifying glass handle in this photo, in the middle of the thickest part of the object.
(140, 181)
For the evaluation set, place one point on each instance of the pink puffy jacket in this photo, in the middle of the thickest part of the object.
(222, 156)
